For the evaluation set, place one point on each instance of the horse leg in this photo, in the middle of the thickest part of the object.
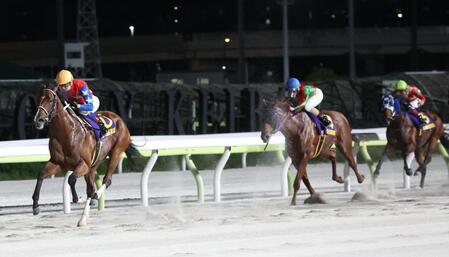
(92, 195)
(301, 168)
(346, 149)
(381, 161)
(50, 169)
(306, 181)
(114, 158)
(425, 161)
(408, 158)
(332, 156)
(90, 185)
(72, 182)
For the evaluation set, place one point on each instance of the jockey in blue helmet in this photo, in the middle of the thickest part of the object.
(305, 96)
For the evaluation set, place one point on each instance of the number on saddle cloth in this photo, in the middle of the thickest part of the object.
(421, 120)
(92, 118)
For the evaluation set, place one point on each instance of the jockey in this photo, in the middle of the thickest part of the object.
(81, 97)
(305, 96)
(412, 95)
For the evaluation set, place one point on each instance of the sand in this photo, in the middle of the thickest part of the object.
(252, 219)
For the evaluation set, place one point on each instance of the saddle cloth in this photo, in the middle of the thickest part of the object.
(321, 129)
(108, 123)
(427, 124)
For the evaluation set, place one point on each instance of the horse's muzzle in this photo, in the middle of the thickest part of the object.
(39, 124)
(265, 137)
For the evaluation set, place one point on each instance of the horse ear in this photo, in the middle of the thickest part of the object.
(62, 94)
(264, 101)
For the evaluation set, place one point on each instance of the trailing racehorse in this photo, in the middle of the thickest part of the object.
(303, 141)
(73, 147)
(403, 136)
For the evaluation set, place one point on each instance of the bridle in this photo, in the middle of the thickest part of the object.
(50, 114)
(279, 123)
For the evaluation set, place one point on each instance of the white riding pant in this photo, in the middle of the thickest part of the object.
(415, 104)
(315, 100)
(95, 103)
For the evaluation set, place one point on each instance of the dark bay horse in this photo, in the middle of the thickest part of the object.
(72, 146)
(403, 137)
(302, 141)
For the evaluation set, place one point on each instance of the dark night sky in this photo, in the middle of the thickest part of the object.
(36, 20)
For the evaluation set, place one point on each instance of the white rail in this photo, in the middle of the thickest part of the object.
(154, 146)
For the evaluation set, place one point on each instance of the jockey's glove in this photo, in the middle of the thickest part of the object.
(74, 106)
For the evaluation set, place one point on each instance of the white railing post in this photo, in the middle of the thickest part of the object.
(406, 180)
(183, 163)
(346, 179)
(244, 155)
(218, 170)
(144, 180)
(66, 192)
(284, 176)
(120, 165)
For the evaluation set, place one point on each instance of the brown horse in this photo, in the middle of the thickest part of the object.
(302, 141)
(403, 136)
(72, 146)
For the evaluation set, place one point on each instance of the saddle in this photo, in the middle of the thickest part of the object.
(108, 123)
(321, 129)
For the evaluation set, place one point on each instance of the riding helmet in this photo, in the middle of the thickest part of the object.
(401, 85)
(63, 77)
(292, 84)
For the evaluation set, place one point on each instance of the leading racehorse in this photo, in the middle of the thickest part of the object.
(403, 136)
(73, 147)
(303, 142)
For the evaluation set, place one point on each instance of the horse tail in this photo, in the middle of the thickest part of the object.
(132, 153)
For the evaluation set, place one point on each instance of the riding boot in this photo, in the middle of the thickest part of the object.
(323, 118)
(103, 129)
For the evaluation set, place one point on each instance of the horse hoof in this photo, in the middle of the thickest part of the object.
(361, 179)
(83, 221)
(338, 180)
(93, 203)
(409, 172)
(36, 210)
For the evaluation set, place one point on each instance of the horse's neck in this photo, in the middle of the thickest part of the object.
(402, 123)
(63, 126)
(296, 123)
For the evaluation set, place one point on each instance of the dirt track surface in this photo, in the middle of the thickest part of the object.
(252, 219)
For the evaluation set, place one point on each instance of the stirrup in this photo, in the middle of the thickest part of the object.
(103, 130)
(326, 122)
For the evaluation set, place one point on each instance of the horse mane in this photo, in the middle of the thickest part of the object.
(62, 94)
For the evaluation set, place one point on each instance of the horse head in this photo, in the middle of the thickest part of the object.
(47, 109)
(272, 118)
